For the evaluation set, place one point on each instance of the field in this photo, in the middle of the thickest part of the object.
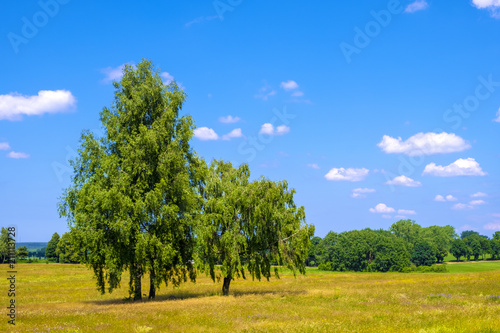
(63, 298)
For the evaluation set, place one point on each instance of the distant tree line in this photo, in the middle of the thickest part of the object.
(473, 245)
(405, 245)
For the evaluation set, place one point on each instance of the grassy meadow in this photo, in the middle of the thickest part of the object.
(63, 298)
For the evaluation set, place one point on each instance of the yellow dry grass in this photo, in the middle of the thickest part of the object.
(63, 298)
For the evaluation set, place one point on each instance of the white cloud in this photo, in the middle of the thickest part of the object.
(416, 6)
(289, 85)
(493, 6)
(205, 133)
(268, 129)
(350, 174)
(14, 106)
(406, 212)
(313, 165)
(404, 181)
(477, 202)
(112, 74)
(4, 146)
(492, 226)
(17, 155)
(167, 78)
(382, 208)
(282, 129)
(439, 198)
(424, 144)
(297, 93)
(236, 133)
(265, 92)
(385, 216)
(497, 119)
(479, 195)
(229, 119)
(461, 206)
(461, 167)
(449, 197)
(359, 192)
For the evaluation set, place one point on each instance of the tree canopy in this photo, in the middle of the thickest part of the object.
(247, 226)
(135, 191)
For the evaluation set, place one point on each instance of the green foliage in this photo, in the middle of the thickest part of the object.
(391, 255)
(408, 230)
(423, 254)
(458, 248)
(4, 248)
(22, 252)
(50, 251)
(473, 244)
(427, 269)
(495, 246)
(247, 226)
(66, 252)
(468, 233)
(135, 192)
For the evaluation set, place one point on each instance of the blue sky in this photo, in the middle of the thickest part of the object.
(372, 110)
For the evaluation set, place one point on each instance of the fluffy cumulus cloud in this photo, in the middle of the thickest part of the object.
(492, 5)
(350, 174)
(461, 167)
(229, 119)
(492, 226)
(449, 197)
(15, 106)
(236, 133)
(382, 208)
(477, 202)
(289, 85)
(479, 195)
(205, 134)
(361, 192)
(424, 144)
(497, 119)
(17, 155)
(4, 146)
(404, 181)
(416, 6)
(269, 129)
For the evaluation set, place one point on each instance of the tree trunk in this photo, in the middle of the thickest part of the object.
(225, 286)
(137, 284)
(152, 288)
